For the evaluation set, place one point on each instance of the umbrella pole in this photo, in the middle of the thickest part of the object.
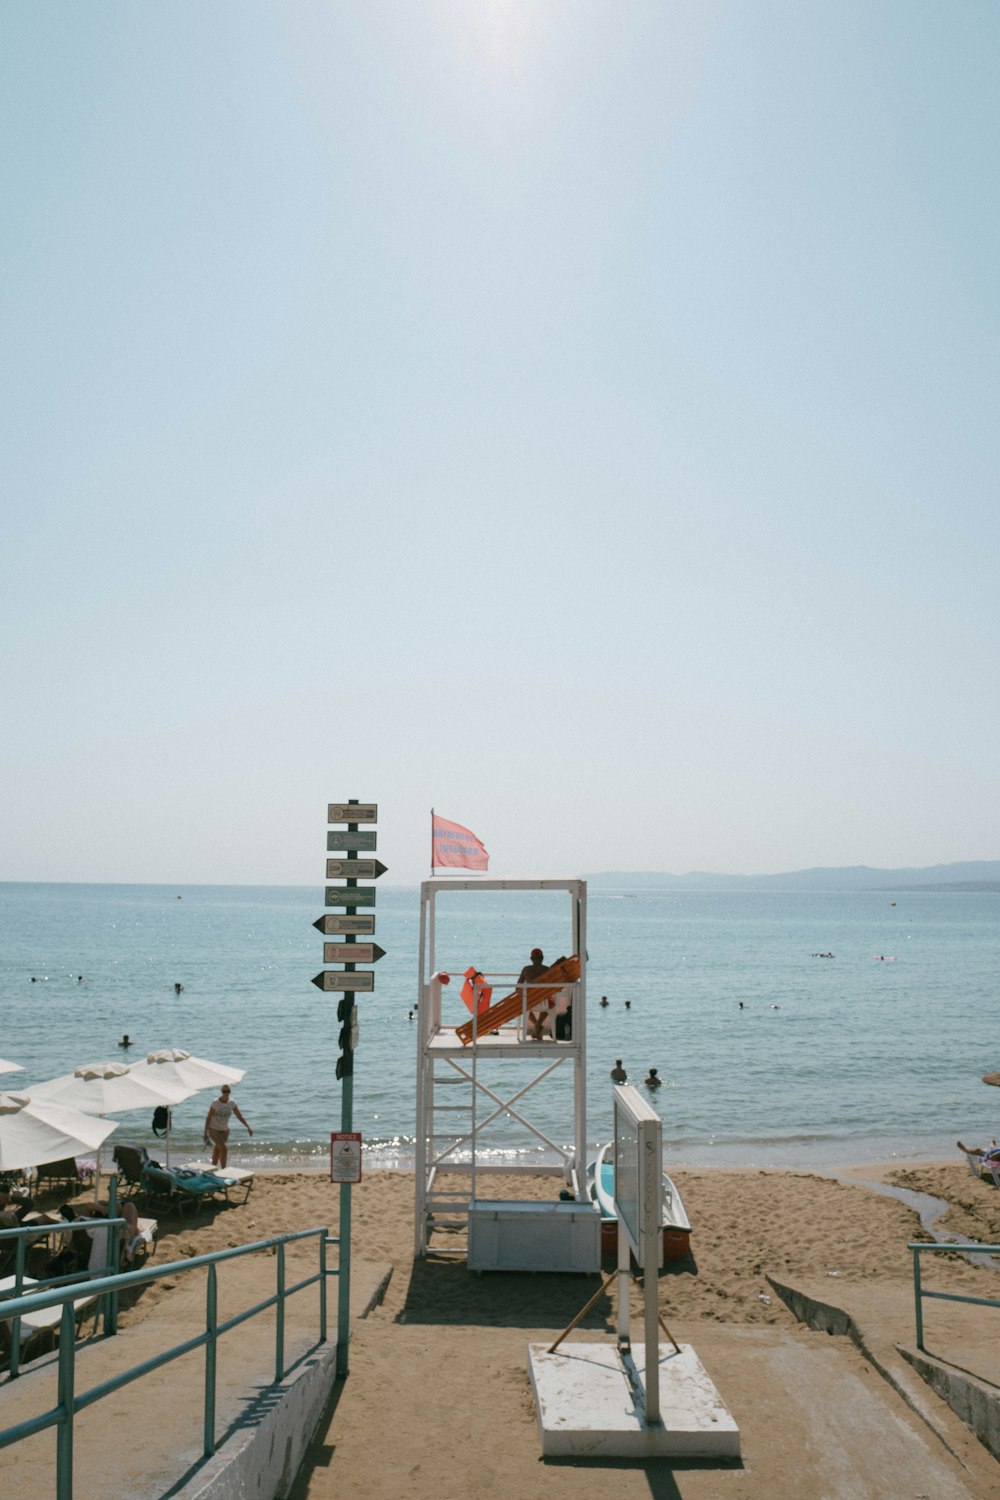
(170, 1115)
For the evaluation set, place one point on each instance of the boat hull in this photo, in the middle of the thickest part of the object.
(676, 1226)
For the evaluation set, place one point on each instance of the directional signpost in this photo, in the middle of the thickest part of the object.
(348, 982)
(340, 895)
(352, 813)
(352, 953)
(354, 869)
(342, 979)
(360, 923)
(338, 840)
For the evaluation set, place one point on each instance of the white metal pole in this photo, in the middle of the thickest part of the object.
(420, 1163)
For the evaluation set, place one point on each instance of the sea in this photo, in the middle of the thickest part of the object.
(771, 1054)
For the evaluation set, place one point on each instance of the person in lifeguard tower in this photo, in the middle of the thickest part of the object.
(530, 974)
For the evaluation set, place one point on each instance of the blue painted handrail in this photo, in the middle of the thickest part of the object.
(24, 1234)
(919, 1293)
(68, 1402)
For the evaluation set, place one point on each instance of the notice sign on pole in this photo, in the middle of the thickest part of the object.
(345, 1156)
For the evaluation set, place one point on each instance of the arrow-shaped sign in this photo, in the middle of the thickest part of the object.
(352, 953)
(352, 812)
(342, 895)
(340, 839)
(362, 923)
(354, 869)
(339, 979)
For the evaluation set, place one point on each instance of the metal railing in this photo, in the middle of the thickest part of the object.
(26, 1235)
(69, 1402)
(919, 1292)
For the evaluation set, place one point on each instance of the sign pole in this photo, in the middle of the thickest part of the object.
(346, 1124)
(345, 1144)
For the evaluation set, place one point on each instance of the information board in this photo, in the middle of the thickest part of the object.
(345, 1156)
(639, 1175)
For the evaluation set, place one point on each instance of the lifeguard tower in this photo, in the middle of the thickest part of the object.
(463, 1096)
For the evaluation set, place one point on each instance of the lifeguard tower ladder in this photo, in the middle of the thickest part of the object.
(462, 1093)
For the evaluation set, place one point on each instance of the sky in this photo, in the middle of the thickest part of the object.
(580, 419)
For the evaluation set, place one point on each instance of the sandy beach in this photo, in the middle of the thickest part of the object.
(444, 1341)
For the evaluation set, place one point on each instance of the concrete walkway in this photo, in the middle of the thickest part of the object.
(145, 1440)
(818, 1421)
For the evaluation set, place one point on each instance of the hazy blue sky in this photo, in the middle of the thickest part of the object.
(582, 418)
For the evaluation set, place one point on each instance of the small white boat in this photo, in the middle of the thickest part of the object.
(601, 1190)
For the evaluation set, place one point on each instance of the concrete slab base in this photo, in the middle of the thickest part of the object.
(587, 1405)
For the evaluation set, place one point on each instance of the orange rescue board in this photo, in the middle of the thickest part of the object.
(543, 993)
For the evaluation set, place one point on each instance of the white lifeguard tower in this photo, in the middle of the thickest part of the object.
(462, 1095)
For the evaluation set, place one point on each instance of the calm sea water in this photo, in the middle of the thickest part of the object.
(831, 1060)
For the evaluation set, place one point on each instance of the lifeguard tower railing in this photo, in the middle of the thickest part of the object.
(461, 1093)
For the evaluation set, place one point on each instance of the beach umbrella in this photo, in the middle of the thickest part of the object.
(34, 1131)
(174, 1065)
(107, 1088)
(9, 1067)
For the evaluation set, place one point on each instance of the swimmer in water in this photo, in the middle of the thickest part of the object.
(178, 986)
(126, 1041)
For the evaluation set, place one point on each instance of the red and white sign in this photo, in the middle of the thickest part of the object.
(345, 1156)
(454, 847)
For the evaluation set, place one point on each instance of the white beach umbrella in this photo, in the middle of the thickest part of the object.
(174, 1065)
(106, 1088)
(34, 1131)
(9, 1067)
(178, 1066)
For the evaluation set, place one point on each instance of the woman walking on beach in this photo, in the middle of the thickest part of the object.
(217, 1125)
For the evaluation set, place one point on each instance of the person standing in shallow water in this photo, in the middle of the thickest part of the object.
(618, 1073)
(217, 1125)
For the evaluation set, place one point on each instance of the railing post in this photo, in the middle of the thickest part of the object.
(113, 1263)
(279, 1322)
(64, 1402)
(322, 1286)
(15, 1324)
(211, 1320)
(918, 1300)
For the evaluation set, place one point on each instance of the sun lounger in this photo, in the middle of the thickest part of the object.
(984, 1170)
(141, 1245)
(230, 1177)
(45, 1321)
(57, 1173)
(130, 1161)
(181, 1189)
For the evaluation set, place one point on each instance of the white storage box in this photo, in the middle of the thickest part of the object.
(506, 1235)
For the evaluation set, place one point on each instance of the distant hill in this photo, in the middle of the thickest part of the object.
(970, 875)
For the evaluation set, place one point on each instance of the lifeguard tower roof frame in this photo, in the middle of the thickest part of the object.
(459, 1073)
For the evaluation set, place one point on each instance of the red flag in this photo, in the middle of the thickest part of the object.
(454, 846)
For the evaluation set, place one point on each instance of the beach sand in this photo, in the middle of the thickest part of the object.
(439, 1403)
